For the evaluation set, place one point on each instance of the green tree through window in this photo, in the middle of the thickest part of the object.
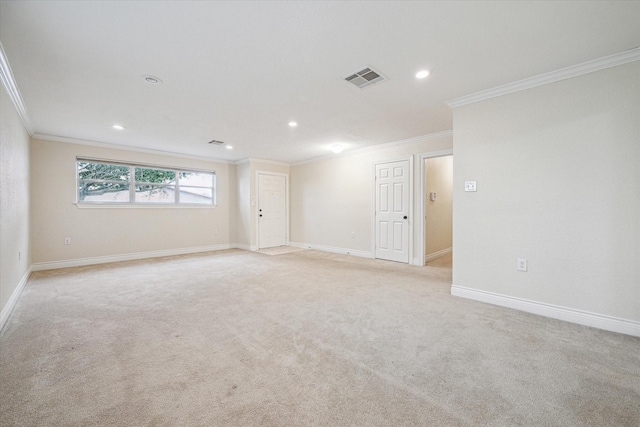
(96, 179)
(119, 183)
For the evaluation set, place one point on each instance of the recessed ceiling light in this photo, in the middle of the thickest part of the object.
(152, 79)
(229, 147)
(293, 124)
(422, 74)
(119, 127)
(337, 148)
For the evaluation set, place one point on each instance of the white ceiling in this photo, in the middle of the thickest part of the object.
(240, 71)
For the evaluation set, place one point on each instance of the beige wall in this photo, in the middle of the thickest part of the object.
(14, 201)
(107, 231)
(332, 198)
(558, 183)
(439, 212)
(243, 195)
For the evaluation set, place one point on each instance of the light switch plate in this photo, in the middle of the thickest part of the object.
(521, 265)
(470, 186)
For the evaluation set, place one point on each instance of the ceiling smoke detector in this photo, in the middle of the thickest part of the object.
(365, 78)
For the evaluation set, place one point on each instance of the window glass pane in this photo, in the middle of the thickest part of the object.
(113, 182)
(103, 192)
(196, 179)
(102, 171)
(101, 182)
(155, 194)
(197, 195)
(155, 176)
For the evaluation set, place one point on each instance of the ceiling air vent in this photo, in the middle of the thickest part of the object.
(216, 142)
(365, 78)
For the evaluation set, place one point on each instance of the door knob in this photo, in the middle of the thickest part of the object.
(260, 214)
(405, 217)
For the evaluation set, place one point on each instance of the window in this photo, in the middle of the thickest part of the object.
(120, 183)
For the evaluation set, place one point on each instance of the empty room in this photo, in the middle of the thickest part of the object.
(319, 213)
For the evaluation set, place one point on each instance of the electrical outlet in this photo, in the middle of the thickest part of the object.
(67, 240)
(353, 234)
(215, 231)
(522, 264)
(470, 186)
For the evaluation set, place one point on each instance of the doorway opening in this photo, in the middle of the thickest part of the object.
(436, 203)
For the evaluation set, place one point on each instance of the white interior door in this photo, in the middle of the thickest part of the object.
(272, 211)
(392, 211)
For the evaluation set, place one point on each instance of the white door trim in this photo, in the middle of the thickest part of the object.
(420, 260)
(374, 235)
(257, 193)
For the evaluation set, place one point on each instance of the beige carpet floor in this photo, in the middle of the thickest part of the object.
(236, 338)
(281, 250)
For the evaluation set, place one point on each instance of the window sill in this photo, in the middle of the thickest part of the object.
(140, 206)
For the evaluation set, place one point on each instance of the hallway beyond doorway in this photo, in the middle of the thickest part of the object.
(445, 261)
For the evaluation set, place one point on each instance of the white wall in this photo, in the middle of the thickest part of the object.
(109, 231)
(14, 205)
(439, 212)
(333, 197)
(558, 176)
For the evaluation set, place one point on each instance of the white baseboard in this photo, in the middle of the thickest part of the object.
(245, 247)
(438, 254)
(332, 249)
(52, 265)
(595, 320)
(8, 308)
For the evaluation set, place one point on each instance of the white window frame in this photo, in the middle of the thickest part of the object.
(132, 186)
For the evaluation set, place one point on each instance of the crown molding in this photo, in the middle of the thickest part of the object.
(551, 77)
(68, 140)
(421, 138)
(252, 160)
(9, 83)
